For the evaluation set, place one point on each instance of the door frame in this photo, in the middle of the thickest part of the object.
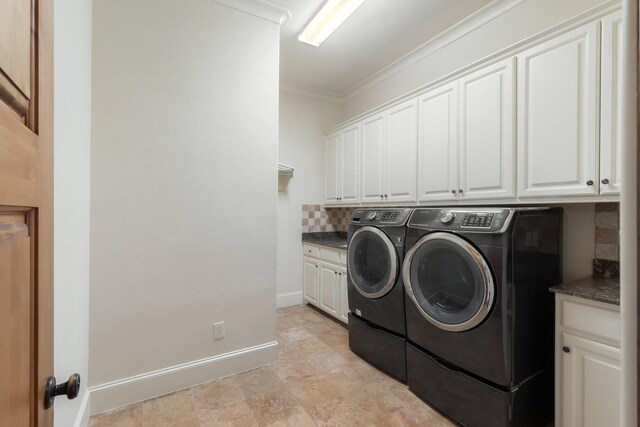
(629, 222)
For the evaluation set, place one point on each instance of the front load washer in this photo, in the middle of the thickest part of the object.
(376, 296)
(479, 315)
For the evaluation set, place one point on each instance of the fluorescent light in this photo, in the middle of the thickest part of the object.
(330, 17)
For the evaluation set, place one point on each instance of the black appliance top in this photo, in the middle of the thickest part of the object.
(381, 216)
(481, 220)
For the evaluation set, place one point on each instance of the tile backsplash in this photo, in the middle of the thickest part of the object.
(607, 231)
(318, 219)
(606, 261)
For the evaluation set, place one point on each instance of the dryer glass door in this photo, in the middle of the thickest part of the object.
(449, 281)
(372, 262)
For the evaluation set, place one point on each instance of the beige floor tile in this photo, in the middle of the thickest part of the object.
(294, 333)
(258, 381)
(215, 394)
(273, 406)
(169, 410)
(130, 416)
(345, 412)
(236, 414)
(311, 346)
(193, 422)
(327, 361)
(301, 419)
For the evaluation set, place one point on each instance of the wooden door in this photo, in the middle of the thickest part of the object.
(487, 152)
(558, 116)
(438, 144)
(402, 146)
(373, 141)
(350, 174)
(610, 95)
(331, 168)
(26, 216)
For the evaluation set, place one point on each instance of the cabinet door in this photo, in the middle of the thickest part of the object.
(373, 141)
(610, 124)
(344, 296)
(402, 147)
(590, 383)
(329, 288)
(311, 273)
(437, 144)
(557, 115)
(350, 174)
(331, 168)
(486, 157)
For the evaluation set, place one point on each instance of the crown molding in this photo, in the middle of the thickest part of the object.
(260, 8)
(448, 36)
(310, 92)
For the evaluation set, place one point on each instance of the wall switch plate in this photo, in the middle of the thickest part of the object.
(218, 330)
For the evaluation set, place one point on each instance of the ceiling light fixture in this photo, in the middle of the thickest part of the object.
(330, 17)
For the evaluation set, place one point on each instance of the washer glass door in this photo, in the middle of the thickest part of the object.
(372, 262)
(449, 281)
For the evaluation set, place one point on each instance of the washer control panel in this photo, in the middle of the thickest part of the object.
(380, 216)
(489, 220)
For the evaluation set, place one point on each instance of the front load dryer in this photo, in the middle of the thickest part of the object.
(376, 296)
(479, 315)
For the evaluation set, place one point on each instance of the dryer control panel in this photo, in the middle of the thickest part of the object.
(488, 220)
(380, 217)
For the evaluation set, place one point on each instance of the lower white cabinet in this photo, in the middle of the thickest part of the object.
(311, 276)
(325, 279)
(343, 314)
(587, 363)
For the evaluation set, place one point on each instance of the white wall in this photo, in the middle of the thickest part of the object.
(301, 145)
(522, 21)
(183, 211)
(72, 151)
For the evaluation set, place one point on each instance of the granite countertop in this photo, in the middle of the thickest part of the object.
(336, 240)
(596, 288)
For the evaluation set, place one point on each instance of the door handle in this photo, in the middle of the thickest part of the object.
(71, 389)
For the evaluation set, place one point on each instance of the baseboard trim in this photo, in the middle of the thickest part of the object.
(126, 391)
(289, 299)
(82, 420)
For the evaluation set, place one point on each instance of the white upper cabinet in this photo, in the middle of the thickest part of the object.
(401, 161)
(610, 118)
(332, 167)
(438, 144)
(342, 161)
(389, 142)
(350, 164)
(486, 149)
(374, 140)
(558, 116)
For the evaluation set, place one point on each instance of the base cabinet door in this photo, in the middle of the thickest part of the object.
(344, 296)
(329, 288)
(311, 275)
(590, 383)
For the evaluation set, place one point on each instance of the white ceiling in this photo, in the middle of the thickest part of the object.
(377, 34)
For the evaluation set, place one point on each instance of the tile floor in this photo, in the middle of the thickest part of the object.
(317, 381)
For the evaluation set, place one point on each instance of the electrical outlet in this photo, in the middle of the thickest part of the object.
(218, 330)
